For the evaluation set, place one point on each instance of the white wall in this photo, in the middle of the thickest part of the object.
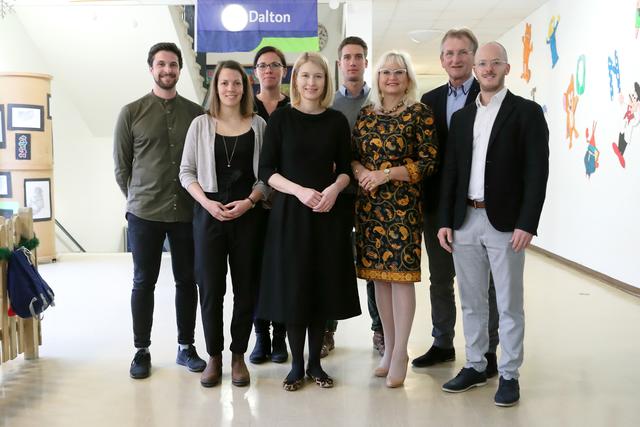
(97, 56)
(591, 221)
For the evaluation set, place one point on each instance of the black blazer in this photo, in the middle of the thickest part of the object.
(437, 100)
(516, 171)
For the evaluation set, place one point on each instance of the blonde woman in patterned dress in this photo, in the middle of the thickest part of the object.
(394, 146)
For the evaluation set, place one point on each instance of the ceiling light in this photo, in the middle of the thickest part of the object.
(6, 7)
(423, 36)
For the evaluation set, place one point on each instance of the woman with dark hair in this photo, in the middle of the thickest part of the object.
(270, 67)
(308, 275)
(220, 170)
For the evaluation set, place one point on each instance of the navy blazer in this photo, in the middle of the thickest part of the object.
(437, 100)
(516, 171)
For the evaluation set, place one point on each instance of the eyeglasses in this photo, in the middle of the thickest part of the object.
(263, 66)
(492, 63)
(396, 73)
(449, 54)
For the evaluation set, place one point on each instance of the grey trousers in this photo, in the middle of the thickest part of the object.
(480, 250)
(441, 293)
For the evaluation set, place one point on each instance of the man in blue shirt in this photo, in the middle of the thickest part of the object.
(457, 51)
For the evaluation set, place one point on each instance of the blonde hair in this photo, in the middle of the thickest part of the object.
(404, 60)
(315, 58)
(213, 99)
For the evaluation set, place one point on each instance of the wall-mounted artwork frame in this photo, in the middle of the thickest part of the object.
(23, 146)
(3, 134)
(8, 209)
(25, 117)
(37, 196)
(5, 185)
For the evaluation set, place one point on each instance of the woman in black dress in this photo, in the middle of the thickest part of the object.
(307, 272)
(219, 169)
(270, 67)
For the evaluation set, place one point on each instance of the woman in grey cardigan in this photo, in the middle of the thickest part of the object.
(219, 169)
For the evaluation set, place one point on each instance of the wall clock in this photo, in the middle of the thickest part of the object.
(323, 36)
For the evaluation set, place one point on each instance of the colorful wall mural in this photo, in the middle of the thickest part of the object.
(587, 82)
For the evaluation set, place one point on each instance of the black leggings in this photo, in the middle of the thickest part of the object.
(296, 335)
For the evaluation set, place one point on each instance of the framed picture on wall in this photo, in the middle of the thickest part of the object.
(8, 209)
(23, 146)
(25, 117)
(37, 196)
(3, 134)
(5, 184)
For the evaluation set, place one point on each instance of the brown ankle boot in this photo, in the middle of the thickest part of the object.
(239, 372)
(213, 372)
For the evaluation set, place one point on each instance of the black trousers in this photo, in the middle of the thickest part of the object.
(239, 243)
(146, 239)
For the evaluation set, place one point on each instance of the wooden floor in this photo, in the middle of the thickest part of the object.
(581, 368)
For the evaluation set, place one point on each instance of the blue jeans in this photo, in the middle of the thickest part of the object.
(146, 239)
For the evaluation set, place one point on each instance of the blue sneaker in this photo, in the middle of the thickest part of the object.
(508, 393)
(189, 358)
(466, 379)
(141, 365)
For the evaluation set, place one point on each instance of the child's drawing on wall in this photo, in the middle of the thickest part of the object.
(551, 39)
(630, 122)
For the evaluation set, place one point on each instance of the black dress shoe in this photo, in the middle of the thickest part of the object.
(434, 356)
(508, 393)
(492, 365)
(466, 379)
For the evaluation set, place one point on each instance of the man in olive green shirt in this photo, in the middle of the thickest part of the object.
(148, 143)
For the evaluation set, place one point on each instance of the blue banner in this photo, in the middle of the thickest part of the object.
(239, 26)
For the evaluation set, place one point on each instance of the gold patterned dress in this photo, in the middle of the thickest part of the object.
(389, 218)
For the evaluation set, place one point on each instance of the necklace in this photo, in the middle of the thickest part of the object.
(226, 150)
(393, 110)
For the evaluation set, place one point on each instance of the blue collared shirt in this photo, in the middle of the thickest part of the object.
(457, 97)
(364, 92)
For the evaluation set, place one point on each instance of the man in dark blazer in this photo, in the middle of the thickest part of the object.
(457, 51)
(493, 188)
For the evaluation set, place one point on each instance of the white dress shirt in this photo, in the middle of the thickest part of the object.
(485, 117)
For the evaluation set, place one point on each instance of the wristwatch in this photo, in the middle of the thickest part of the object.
(387, 173)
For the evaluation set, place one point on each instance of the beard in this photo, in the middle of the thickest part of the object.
(493, 86)
(166, 86)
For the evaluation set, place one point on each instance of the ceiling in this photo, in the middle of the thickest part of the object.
(488, 19)
(394, 19)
